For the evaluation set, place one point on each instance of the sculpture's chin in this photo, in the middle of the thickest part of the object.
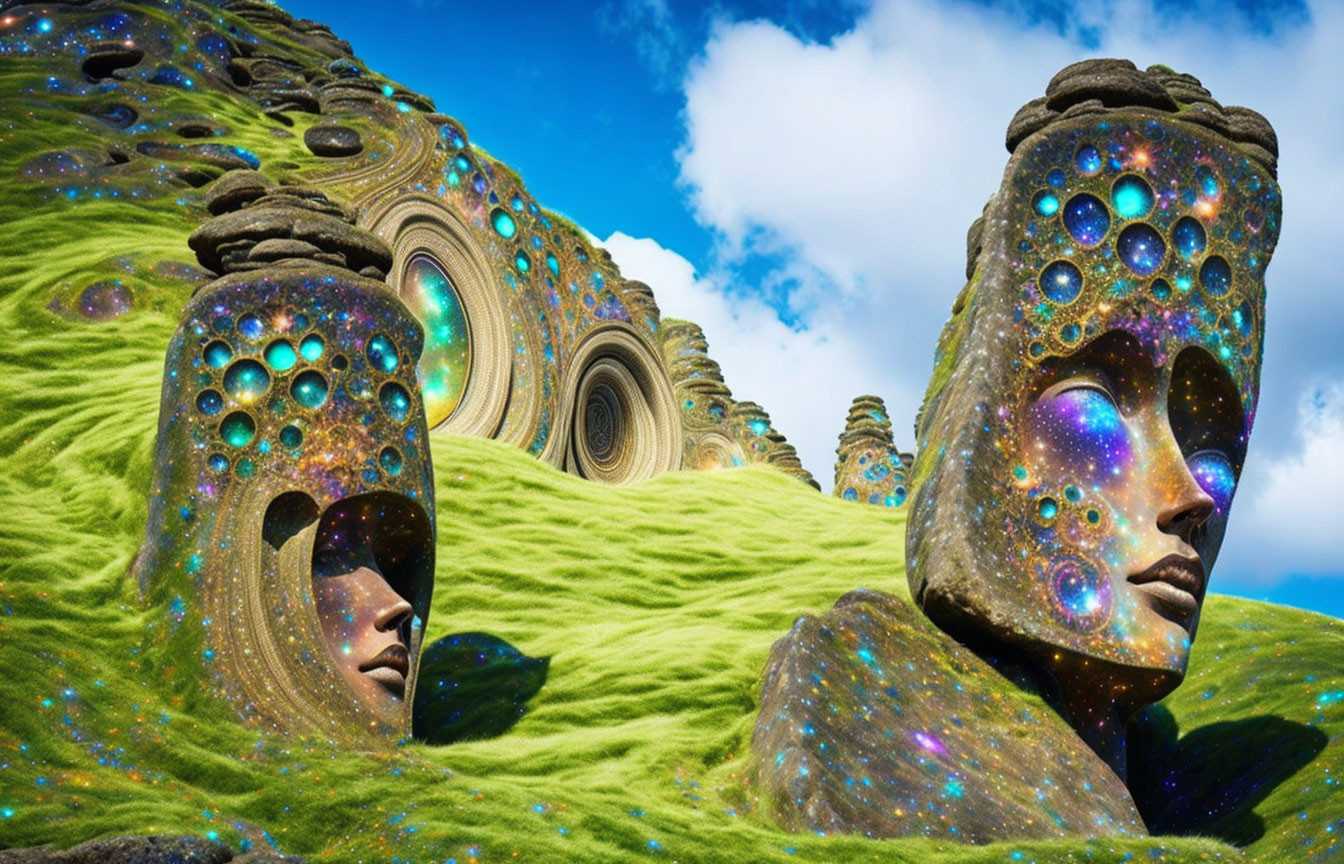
(1128, 665)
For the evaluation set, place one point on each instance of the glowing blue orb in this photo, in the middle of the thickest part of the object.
(1061, 281)
(1088, 159)
(1141, 248)
(246, 380)
(1188, 237)
(1216, 276)
(309, 389)
(1086, 219)
(1132, 196)
(280, 355)
(311, 347)
(382, 354)
(503, 223)
(395, 401)
(218, 354)
(209, 402)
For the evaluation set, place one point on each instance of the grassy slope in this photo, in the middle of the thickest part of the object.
(657, 603)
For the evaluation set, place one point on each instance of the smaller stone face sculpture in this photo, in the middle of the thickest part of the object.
(368, 554)
(291, 529)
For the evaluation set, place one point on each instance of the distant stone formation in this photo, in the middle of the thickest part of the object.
(720, 432)
(869, 468)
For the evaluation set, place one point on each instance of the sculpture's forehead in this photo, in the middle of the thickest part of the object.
(314, 382)
(1144, 224)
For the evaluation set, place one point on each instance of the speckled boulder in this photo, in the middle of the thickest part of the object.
(875, 722)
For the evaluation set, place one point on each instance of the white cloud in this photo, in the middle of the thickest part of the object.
(1289, 509)
(853, 168)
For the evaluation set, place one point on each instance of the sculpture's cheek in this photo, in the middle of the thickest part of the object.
(1078, 436)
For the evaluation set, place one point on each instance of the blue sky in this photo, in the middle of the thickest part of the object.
(798, 177)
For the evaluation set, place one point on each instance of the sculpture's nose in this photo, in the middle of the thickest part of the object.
(1186, 507)
(393, 610)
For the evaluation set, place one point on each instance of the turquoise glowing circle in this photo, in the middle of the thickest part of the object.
(1088, 159)
(523, 262)
(209, 402)
(382, 354)
(1161, 290)
(311, 347)
(503, 223)
(291, 436)
(1045, 203)
(1216, 276)
(391, 461)
(280, 355)
(553, 264)
(1206, 181)
(395, 401)
(1048, 508)
(1188, 238)
(1070, 333)
(217, 354)
(1061, 281)
(1087, 219)
(1055, 177)
(1141, 248)
(246, 380)
(309, 389)
(1132, 196)
(219, 463)
(251, 327)
(1073, 494)
(1243, 320)
(237, 429)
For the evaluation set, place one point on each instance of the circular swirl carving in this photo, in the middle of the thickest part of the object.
(624, 424)
(712, 450)
(466, 374)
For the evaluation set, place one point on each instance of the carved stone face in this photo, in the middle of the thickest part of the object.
(368, 554)
(1132, 465)
(1082, 439)
(293, 500)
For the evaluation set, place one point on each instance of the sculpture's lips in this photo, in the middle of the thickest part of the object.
(1176, 582)
(389, 668)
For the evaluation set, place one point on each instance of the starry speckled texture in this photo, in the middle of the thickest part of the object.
(657, 603)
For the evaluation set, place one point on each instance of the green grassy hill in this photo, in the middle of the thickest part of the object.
(657, 603)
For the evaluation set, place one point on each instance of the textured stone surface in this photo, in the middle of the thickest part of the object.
(869, 468)
(1114, 82)
(152, 849)
(1099, 86)
(874, 722)
(235, 190)
(213, 241)
(331, 140)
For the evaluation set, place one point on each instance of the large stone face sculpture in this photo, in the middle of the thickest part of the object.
(1079, 447)
(292, 508)
(1082, 437)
